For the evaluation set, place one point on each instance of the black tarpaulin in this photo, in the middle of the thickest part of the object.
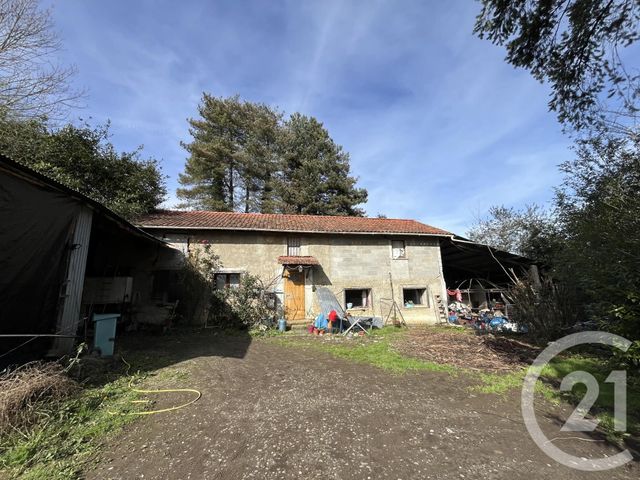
(36, 229)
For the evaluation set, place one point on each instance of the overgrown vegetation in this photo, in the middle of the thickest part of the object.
(548, 310)
(248, 305)
(81, 157)
(590, 239)
(24, 389)
(58, 428)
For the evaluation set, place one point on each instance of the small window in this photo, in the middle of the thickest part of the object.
(398, 249)
(227, 280)
(357, 298)
(293, 246)
(414, 296)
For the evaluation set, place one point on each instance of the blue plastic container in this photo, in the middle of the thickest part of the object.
(282, 325)
(105, 334)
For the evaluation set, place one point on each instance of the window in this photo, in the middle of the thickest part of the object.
(357, 298)
(293, 246)
(398, 249)
(227, 280)
(414, 296)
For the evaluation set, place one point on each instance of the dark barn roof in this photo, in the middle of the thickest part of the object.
(462, 258)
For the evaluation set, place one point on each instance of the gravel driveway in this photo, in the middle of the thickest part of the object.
(270, 411)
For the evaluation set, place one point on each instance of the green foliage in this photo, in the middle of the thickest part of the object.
(598, 204)
(197, 278)
(600, 368)
(315, 178)
(591, 245)
(244, 157)
(82, 158)
(575, 45)
(246, 306)
(71, 431)
(232, 162)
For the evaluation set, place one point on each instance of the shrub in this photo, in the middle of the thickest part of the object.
(248, 305)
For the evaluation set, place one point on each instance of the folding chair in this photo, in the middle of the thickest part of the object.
(328, 302)
(358, 322)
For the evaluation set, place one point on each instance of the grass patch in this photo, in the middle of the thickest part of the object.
(58, 447)
(499, 383)
(374, 349)
(603, 408)
(549, 383)
(377, 350)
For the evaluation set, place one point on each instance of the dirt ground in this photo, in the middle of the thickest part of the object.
(459, 348)
(271, 411)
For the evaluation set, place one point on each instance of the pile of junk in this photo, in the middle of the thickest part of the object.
(484, 306)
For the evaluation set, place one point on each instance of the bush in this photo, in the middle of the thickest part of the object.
(548, 310)
(246, 306)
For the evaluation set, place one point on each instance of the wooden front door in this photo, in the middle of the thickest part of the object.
(294, 296)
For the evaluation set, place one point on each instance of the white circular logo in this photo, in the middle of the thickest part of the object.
(577, 420)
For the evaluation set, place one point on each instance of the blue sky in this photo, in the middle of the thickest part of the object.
(438, 126)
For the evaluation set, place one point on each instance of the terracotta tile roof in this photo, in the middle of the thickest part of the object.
(298, 260)
(206, 220)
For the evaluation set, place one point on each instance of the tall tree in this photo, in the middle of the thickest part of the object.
(316, 172)
(530, 232)
(231, 158)
(31, 83)
(599, 204)
(575, 45)
(82, 158)
(244, 157)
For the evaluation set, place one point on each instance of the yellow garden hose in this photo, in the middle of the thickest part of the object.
(164, 390)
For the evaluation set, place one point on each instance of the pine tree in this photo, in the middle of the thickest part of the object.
(243, 157)
(316, 172)
(230, 155)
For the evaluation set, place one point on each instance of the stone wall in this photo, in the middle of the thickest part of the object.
(346, 261)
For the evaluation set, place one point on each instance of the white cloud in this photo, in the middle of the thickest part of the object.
(436, 123)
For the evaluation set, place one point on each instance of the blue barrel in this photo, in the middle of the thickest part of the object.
(282, 325)
(105, 334)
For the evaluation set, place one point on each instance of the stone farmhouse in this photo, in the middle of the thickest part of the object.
(366, 262)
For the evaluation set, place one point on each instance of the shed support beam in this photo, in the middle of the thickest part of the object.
(71, 292)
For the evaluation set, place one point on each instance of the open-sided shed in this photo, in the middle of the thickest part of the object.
(51, 238)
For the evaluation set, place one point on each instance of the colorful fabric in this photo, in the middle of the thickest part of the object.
(321, 322)
(457, 293)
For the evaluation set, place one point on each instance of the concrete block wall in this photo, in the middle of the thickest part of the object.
(365, 261)
(346, 261)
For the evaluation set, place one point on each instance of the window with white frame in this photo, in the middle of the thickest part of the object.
(398, 249)
(293, 246)
(357, 298)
